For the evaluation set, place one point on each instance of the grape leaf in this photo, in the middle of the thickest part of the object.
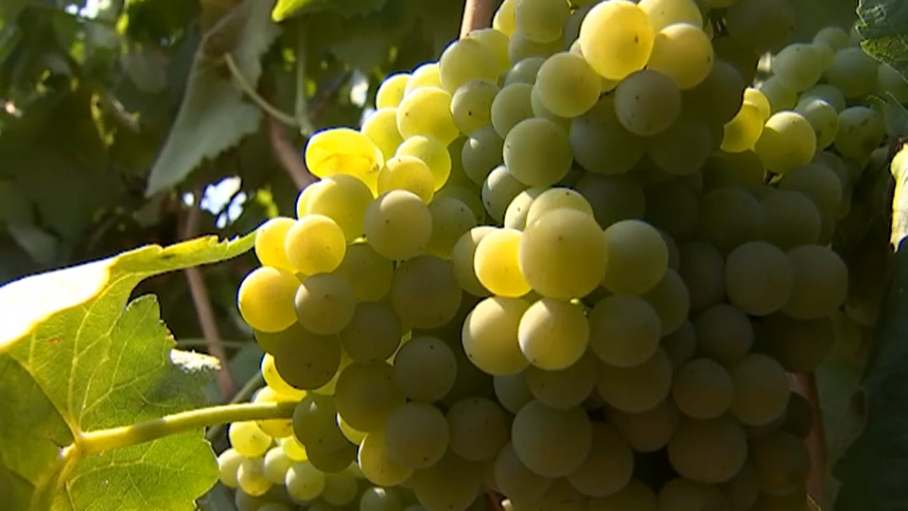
(214, 115)
(75, 358)
(287, 8)
(884, 27)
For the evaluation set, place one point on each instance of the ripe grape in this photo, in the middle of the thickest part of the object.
(672, 208)
(398, 224)
(553, 334)
(424, 293)
(453, 484)
(566, 84)
(373, 334)
(381, 128)
(251, 478)
(823, 117)
(343, 199)
(647, 102)
(512, 391)
(471, 105)
(798, 66)
(613, 198)
(407, 173)
(391, 90)
(759, 278)
(861, 130)
(787, 142)
(702, 389)
(792, 219)
(416, 435)
(702, 268)
(761, 390)
(563, 388)
(663, 13)
(265, 299)
(366, 395)
(482, 152)
(269, 243)
(537, 152)
(324, 303)
(820, 282)
(616, 39)
(368, 273)
(647, 431)
(341, 151)
(541, 20)
(498, 190)
(464, 60)
(228, 463)
(671, 301)
(497, 265)
(431, 151)
(724, 333)
(473, 414)
(637, 257)
(315, 244)
(636, 496)
(639, 388)
(760, 24)
(490, 336)
(729, 217)
(608, 467)
(682, 52)
(853, 72)
(551, 442)
(624, 330)
(516, 480)
(425, 369)
(780, 96)
(708, 451)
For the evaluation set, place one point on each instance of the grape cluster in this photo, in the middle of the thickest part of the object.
(569, 266)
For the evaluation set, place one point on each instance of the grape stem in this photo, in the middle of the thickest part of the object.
(106, 439)
(250, 91)
(477, 14)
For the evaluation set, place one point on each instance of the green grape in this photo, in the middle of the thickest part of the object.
(663, 13)
(853, 72)
(601, 144)
(553, 334)
(566, 83)
(760, 24)
(463, 257)
(861, 130)
(373, 334)
(515, 480)
(407, 173)
(275, 465)
(470, 380)
(426, 75)
(743, 489)
(537, 152)
(647, 102)
(251, 478)
(340, 488)
(265, 299)
(833, 37)
(717, 98)
(248, 439)
(424, 292)
(827, 93)
(800, 345)
(497, 265)
(683, 53)
(269, 243)
(743, 59)
(464, 60)
(779, 95)
(511, 105)
(512, 391)
(427, 111)
(557, 198)
(823, 117)
(702, 270)
(273, 379)
(540, 110)
(672, 208)
(471, 105)
(781, 463)
(276, 428)
(624, 330)
(381, 128)
(228, 463)
(798, 66)
(481, 153)
(681, 494)
(515, 217)
(636, 496)
(342, 151)
(818, 183)
(616, 39)
(325, 303)
(490, 335)
(613, 198)
(889, 80)
(551, 442)
(759, 278)
(759, 100)
(729, 217)
(639, 388)
(470, 415)
(498, 190)
(353, 435)
(788, 141)
(724, 333)
(376, 466)
(391, 90)
(541, 20)
(521, 47)
(304, 482)
(683, 148)
(646, 431)
(425, 369)
(637, 257)
(451, 218)
(708, 451)
(524, 71)
(563, 388)
(742, 132)
(702, 389)
(366, 395)
(343, 199)
(315, 244)
(416, 435)
(380, 499)
(367, 272)
(495, 41)
(315, 424)
(792, 219)
(293, 448)
(680, 345)
(469, 194)
(671, 301)
(504, 17)
(433, 153)
(398, 225)
(761, 390)
(820, 282)
(452, 484)
(608, 467)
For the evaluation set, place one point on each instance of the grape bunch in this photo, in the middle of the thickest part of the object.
(569, 266)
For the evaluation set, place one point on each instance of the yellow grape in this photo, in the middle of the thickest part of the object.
(398, 225)
(780, 96)
(557, 198)
(823, 117)
(425, 75)
(489, 336)
(788, 141)
(381, 128)
(471, 105)
(495, 41)
(498, 190)
(315, 244)
(637, 257)
(342, 151)
(647, 102)
(646, 431)
(540, 110)
(302, 200)
(663, 13)
(743, 131)
(274, 381)
(265, 299)
(269, 243)
(759, 100)
(462, 257)
(510, 106)
(464, 60)
(541, 20)
(567, 85)
(515, 217)
(497, 264)
(431, 151)
(407, 173)
(524, 71)
(504, 17)
(276, 428)
(537, 152)
(616, 38)
(416, 435)
(343, 199)
(325, 303)
(521, 47)
(759, 278)
(553, 334)
(248, 439)
(427, 111)
(391, 90)
(684, 53)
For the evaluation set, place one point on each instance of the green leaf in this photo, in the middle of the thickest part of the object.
(347, 8)
(884, 26)
(214, 115)
(75, 358)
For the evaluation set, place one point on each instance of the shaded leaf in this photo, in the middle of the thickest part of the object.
(884, 28)
(74, 358)
(146, 67)
(214, 116)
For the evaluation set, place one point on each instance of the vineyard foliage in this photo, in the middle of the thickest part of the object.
(119, 115)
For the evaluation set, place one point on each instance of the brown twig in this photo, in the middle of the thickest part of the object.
(805, 384)
(287, 154)
(477, 14)
(202, 302)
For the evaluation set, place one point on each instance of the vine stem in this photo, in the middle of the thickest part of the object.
(106, 439)
(477, 14)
